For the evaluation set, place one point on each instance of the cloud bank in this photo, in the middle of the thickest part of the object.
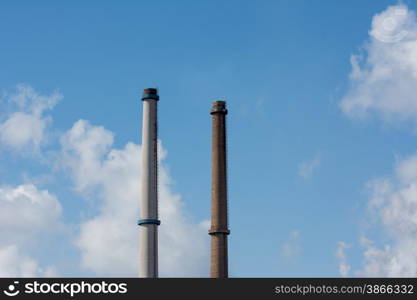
(109, 180)
(109, 241)
(383, 83)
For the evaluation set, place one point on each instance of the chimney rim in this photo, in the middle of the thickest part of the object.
(150, 93)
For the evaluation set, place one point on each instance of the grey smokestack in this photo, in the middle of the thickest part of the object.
(219, 223)
(148, 229)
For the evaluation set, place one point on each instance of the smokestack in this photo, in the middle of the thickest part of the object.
(219, 225)
(148, 229)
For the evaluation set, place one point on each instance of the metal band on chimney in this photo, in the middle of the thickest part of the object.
(149, 221)
(150, 96)
(222, 231)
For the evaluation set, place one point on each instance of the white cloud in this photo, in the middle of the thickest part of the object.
(14, 263)
(291, 248)
(344, 267)
(393, 205)
(25, 213)
(384, 83)
(83, 150)
(25, 127)
(109, 241)
(28, 209)
(307, 168)
(384, 80)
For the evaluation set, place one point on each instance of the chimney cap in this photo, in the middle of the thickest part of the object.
(219, 107)
(150, 93)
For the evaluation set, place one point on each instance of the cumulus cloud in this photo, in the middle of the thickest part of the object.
(38, 208)
(307, 168)
(393, 204)
(344, 267)
(25, 213)
(383, 80)
(109, 241)
(25, 127)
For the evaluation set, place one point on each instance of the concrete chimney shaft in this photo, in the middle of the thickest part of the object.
(148, 229)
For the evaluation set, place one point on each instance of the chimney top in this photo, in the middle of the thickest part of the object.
(150, 93)
(219, 107)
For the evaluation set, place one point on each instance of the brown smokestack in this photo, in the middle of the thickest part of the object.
(219, 224)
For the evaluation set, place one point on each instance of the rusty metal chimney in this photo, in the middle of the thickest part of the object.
(219, 224)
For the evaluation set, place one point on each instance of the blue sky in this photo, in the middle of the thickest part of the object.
(310, 141)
